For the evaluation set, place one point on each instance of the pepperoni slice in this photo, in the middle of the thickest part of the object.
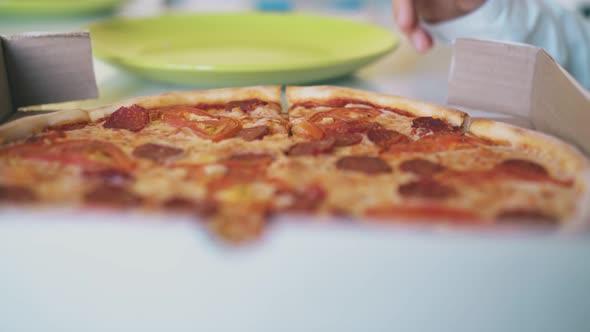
(249, 158)
(110, 176)
(253, 133)
(426, 188)
(522, 166)
(312, 148)
(16, 194)
(527, 215)
(245, 105)
(421, 167)
(517, 169)
(499, 174)
(430, 124)
(203, 208)
(109, 195)
(203, 124)
(428, 213)
(368, 165)
(385, 137)
(133, 118)
(347, 139)
(156, 152)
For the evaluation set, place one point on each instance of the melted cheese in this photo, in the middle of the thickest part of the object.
(346, 191)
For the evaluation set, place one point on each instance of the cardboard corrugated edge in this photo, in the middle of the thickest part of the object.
(524, 82)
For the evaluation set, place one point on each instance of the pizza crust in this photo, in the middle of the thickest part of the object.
(270, 94)
(417, 108)
(31, 125)
(566, 157)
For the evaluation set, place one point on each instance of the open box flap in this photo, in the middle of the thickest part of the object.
(521, 81)
(5, 99)
(41, 68)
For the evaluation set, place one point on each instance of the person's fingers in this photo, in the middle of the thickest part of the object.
(421, 40)
(407, 19)
(405, 14)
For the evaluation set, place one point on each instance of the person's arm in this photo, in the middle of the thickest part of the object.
(543, 23)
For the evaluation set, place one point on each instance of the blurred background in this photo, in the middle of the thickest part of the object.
(20, 15)
(402, 73)
(34, 13)
(142, 274)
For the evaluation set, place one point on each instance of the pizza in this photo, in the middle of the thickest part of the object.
(236, 158)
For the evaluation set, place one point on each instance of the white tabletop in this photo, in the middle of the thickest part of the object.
(71, 271)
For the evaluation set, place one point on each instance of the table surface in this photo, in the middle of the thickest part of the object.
(66, 271)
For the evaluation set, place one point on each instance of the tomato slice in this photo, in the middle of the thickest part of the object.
(308, 130)
(337, 121)
(88, 154)
(215, 128)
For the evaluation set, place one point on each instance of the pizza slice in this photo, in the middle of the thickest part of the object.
(416, 161)
(141, 150)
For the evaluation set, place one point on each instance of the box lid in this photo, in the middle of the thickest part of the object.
(41, 68)
(524, 82)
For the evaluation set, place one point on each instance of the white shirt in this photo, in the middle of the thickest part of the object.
(543, 23)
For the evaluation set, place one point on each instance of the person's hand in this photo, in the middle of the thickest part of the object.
(408, 14)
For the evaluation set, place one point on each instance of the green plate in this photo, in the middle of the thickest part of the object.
(240, 49)
(56, 7)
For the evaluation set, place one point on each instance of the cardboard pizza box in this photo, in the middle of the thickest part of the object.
(42, 68)
(521, 83)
